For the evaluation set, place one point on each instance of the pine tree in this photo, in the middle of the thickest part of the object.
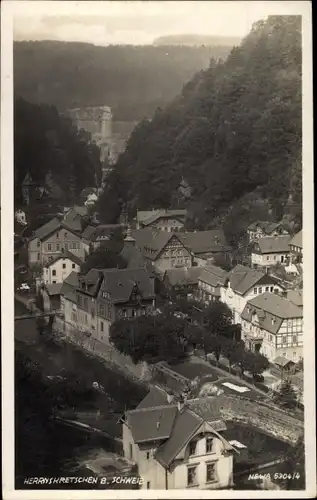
(286, 396)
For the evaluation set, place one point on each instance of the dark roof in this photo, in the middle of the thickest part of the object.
(205, 241)
(133, 256)
(69, 286)
(185, 426)
(208, 409)
(151, 424)
(54, 288)
(88, 191)
(119, 283)
(73, 220)
(266, 226)
(88, 232)
(156, 397)
(101, 232)
(213, 275)
(151, 242)
(183, 275)
(65, 255)
(283, 361)
(295, 296)
(243, 278)
(272, 244)
(297, 240)
(48, 228)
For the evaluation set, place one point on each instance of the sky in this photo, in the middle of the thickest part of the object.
(134, 22)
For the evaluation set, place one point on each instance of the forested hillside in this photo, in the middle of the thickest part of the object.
(233, 133)
(44, 142)
(195, 40)
(132, 80)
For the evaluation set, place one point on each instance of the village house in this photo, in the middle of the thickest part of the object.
(163, 250)
(57, 269)
(296, 248)
(273, 325)
(94, 236)
(242, 285)
(210, 281)
(101, 297)
(269, 251)
(51, 240)
(163, 219)
(51, 294)
(206, 246)
(182, 282)
(177, 445)
(261, 229)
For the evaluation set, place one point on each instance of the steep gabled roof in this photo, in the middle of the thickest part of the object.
(151, 242)
(119, 283)
(243, 278)
(272, 244)
(151, 424)
(213, 275)
(297, 240)
(48, 228)
(65, 255)
(205, 241)
(133, 257)
(149, 216)
(156, 397)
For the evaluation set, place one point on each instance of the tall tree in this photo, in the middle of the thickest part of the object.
(286, 395)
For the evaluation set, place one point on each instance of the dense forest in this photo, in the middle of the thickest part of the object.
(233, 134)
(195, 40)
(132, 80)
(46, 142)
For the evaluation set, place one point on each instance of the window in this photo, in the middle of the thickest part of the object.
(54, 272)
(102, 311)
(66, 234)
(64, 266)
(294, 354)
(86, 321)
(192, 447)
(274, 257)
(38, 244)
(271, 288)
(267, 257)
(49, 247)
(255, 290)
(284, 339)
(58, 247)
(210, 472)
(148, 455)
(148, 484)
(38, 256)
(66, 246)
(73, 266)
(124, 313)
(74, 317)
(54, 281)
(260, 289)
(271, 338)
(209, 442)
(101, 326)
(57, 235)
(133, 313)
(191, 476)
(131, 451)
(267, 289)
(294, 339)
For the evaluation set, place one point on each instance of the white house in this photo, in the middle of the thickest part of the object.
(163, 219)
(59, 268)
(175, 447)
(273, 325)
(296, 248)
(243, 284)
(91, 200)
(270, 251)
(261, 229)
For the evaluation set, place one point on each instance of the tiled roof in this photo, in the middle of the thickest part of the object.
(151, 424)
(282, 361)
(149, 216)
(156, 397)
(65, 255)
(205, 241)
(185, 426)
(272, 244)
(47, 228)
(120, 283)
(297, 240)
(243, 278)
(133, 257)
(152, 242)
(208, 409)
(213, 275)
(183, 275)
(69, 286)
(295, 296)
(54, 288)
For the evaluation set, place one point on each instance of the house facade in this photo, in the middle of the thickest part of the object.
(261, 229)
(242, 285)
(273, 325)
(271, 250)
(162, 219)
(51, 240)
(102, 297)
(59, 268)
(182, 282)
(210, 281)
(296, 248)
(175, 448)
(205, 246)
(162, 250)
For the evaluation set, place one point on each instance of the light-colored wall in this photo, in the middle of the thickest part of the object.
(269, 259)
(61, 273)
(173, 255)
(169, 225)
(41, 251)
(237, 302)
